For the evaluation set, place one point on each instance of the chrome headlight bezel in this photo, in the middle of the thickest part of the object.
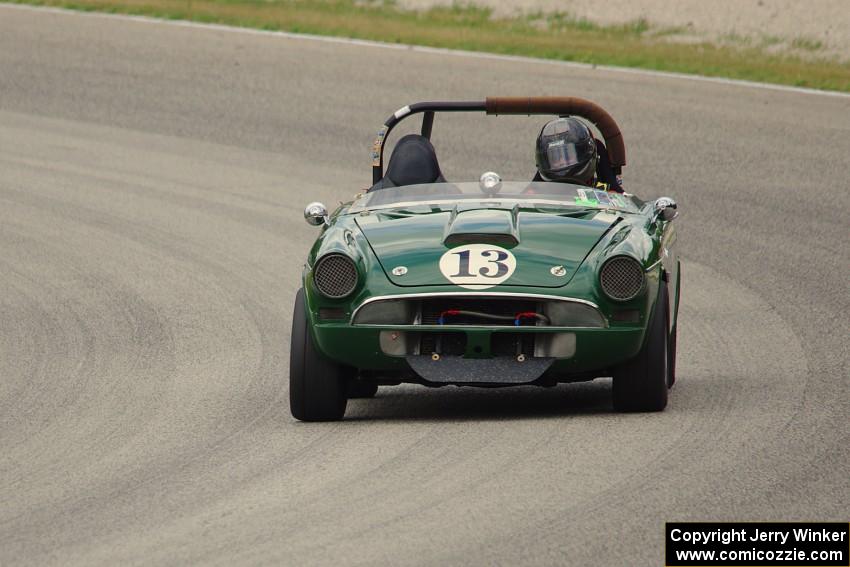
(624, 284)
(335, 275)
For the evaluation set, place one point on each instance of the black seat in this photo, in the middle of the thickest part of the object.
(413, 162)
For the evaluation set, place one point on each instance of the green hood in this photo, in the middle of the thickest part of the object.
(539, 241)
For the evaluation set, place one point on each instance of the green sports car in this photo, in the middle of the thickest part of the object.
(485, 283)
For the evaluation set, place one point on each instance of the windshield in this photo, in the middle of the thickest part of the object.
(524, 193)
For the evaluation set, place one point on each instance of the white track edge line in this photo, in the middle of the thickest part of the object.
(433, 50)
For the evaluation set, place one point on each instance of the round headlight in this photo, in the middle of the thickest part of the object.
(622, 278)
(335, 275)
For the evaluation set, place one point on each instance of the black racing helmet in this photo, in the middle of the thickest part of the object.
(566, 151)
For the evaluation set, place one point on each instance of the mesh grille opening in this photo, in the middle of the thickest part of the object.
(335, 275)
(622, 278)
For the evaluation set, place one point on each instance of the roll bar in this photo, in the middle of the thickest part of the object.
(557, 105)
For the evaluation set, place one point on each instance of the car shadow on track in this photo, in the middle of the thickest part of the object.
(525, 402)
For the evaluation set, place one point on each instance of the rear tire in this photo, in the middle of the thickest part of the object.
(317, 386)
(358, 389)
(640, 385)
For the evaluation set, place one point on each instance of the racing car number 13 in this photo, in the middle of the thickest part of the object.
(477, 266)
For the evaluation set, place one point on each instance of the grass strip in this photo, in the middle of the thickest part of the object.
(552, 36)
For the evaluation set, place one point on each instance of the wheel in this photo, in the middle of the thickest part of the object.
(671, 361)
(641, 384)
(317, 386)
(359, 389)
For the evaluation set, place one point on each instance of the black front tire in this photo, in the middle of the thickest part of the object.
(671, 364)
(671, 360)
(640, 385)
(317, 386)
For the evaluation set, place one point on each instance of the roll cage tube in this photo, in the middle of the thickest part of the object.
(557, 105)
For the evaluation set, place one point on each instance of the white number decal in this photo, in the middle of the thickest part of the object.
(477, 266)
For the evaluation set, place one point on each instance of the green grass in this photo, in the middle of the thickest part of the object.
(806, 44)
(551, 36)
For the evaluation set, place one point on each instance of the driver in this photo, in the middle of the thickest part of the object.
(567, 152)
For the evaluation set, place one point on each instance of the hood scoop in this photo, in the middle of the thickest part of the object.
(482, 226)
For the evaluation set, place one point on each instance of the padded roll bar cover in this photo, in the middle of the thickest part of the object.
(563, 105)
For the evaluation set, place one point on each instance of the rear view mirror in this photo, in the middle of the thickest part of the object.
(316, 214)
(666, 209)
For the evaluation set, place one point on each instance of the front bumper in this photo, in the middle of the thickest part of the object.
(596, 350)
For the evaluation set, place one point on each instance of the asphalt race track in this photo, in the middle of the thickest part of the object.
(152, 182)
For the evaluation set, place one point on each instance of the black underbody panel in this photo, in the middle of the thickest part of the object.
(460, 370)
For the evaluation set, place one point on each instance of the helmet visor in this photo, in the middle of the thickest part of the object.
(561, 155)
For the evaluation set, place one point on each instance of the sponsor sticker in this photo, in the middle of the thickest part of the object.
(585, 197)
(602, 198)
(618, 200)
(376, 146)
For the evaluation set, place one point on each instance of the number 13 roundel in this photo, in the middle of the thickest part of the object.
(477, 266)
